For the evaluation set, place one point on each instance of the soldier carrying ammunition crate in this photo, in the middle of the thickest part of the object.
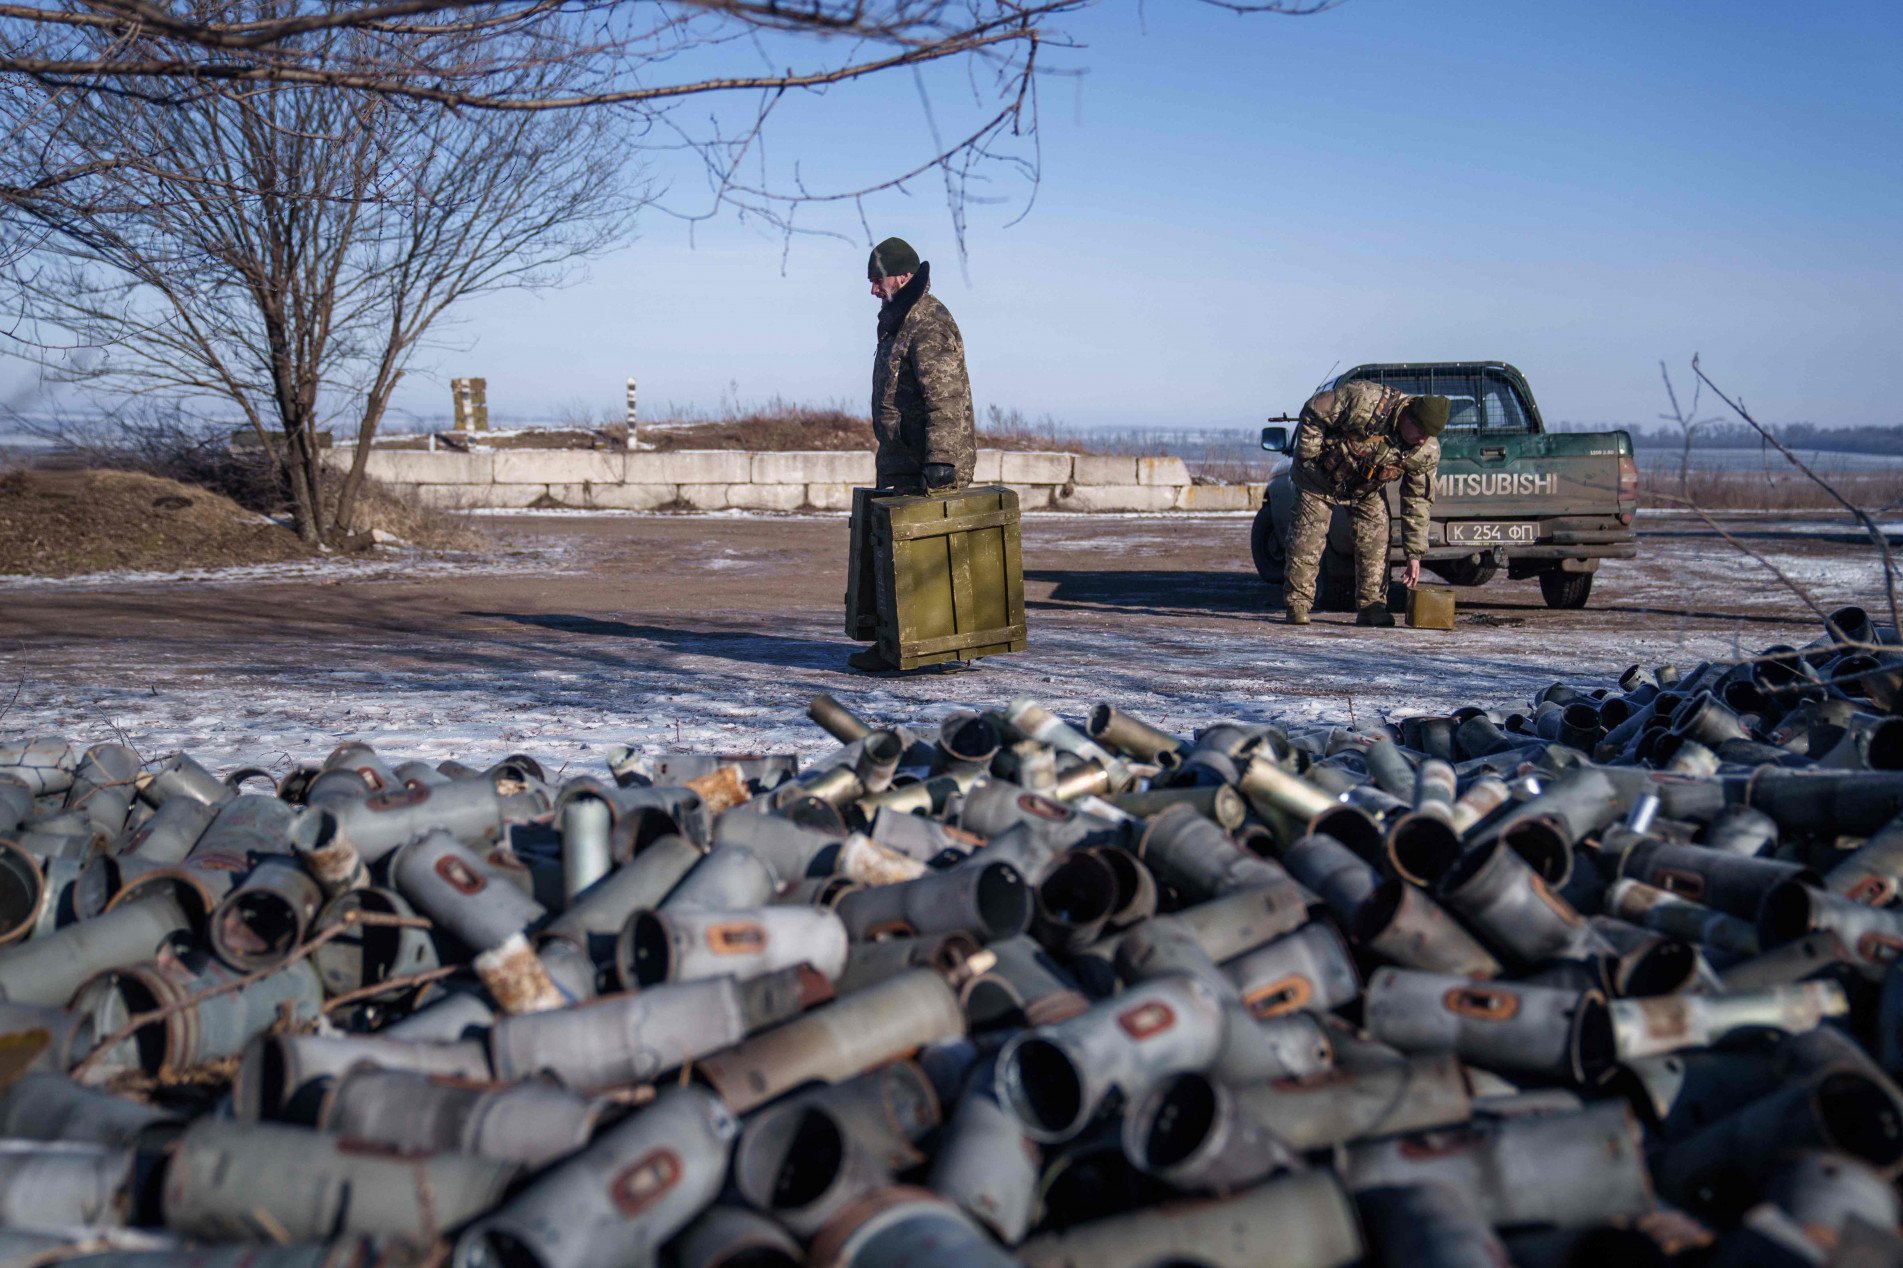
(921, 396)
(1352, 441)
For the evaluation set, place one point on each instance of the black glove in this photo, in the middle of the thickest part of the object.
(940, 475)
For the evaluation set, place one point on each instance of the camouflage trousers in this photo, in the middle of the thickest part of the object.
(1308, 539)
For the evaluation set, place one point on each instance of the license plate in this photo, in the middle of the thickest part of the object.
(1478, 534)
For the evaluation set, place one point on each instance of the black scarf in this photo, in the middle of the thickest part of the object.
(893, 312)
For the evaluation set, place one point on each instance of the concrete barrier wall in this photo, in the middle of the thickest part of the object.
(729, 479)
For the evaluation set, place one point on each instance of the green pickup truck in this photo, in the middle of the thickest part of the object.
(1509, 493)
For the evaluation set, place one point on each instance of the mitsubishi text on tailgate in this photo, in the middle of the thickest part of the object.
(1509, 494)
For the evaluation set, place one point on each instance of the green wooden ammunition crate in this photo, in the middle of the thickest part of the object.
(936, 577)
(1431, 607)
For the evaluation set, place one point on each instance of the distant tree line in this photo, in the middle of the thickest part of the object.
(1867, 438)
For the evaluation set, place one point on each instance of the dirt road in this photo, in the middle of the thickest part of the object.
(713, 631)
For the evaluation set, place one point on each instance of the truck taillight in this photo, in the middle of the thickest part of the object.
(1628, 482)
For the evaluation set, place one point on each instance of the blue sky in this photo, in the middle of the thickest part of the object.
(1231, 206)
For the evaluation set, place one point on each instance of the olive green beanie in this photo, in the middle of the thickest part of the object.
(892, 258)
(1430, 413)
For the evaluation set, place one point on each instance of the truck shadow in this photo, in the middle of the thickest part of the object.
(1157, 593)
(738, 645)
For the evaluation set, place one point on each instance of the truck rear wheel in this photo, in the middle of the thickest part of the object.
(1565, 589)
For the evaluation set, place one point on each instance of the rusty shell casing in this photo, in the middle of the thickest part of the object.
(519, 981)
(1074, 900)
(45, 763)
(1056, 1078)
(49, 969)
(41, 1037)
(1245, 919)
(214, 1026)
(473, 811)
(993, 805)
(1427, 1225)
(1338, 876)
(1166, 945)
(48, 1106)
(1873, 936)
(1422, 847)
(1839, 1107)
(734, 1237)
(368, 954)
(1822, 802)
(420, 772)
(986, 1164)
(364, 761)
(790, 849)
(48, 1184)
(1381, 1098)
(23, 893)
(878, 759)
(1304, 1220)
(1023, 987)
(284, 1077)
(680, 946)
(1401, 923)
(1578, 804)
(616, 1040)
(594, 919)
(1482, 799)
(1390, 769)
(868, 963)
(868, 862)
(967, 743)
(16, 803)
(104, 787)
(1668, 1023)
(805, 1160)
(411, 1112)
(1080, 781)
(1823, 1191)
(919, 838)
(1036, 722)
(836, 719)
(726, 878)
(1293, 1046)
(265, 918)
(1308, 969)
(838, 1041)
(1274, 791)
(1682, 918)
(986, 899)
(587, 850)
(453, 1016)
(1494, 891)
(250, 825)
(169, 835)
(1571, 1170)
(900, 1225)
(254, 1182)
(1741, 830)
(620, 1199)
(452, 885)
(1503, 1026)
(1194, 1135)
(1724, 882)
(1219, 802)
(640, 815)
(1136, 889)
(1873, 875)
(1133, 737)
(1199, 859)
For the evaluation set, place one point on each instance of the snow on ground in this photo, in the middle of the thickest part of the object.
(379, 565)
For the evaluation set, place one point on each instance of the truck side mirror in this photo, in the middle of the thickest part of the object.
(1275, 439)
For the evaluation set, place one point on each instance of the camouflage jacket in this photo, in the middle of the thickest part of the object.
(1348, 446)
(921, 397)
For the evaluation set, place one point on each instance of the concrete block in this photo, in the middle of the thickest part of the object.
(613, 497)
(1033, 497)
(1091, 469)
(415, 466)
(703, 497)
(467, 496)
(766, 497)
(1219, 497)
(819, 467)
(702, 466)
(830, 497)
(1166, 471)
(989, 468)
(1036, 468)
(558, 466)
(1115, 497)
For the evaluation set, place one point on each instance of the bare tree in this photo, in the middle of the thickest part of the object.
(255, 254)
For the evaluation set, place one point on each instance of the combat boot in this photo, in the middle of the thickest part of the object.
(1377, 615)
(867, 660)
(1296, 615)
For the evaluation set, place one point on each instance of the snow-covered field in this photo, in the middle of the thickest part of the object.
(575, 661)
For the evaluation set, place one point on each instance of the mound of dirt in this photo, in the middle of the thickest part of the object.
(58, 523)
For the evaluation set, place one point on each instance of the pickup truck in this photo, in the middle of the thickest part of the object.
(1509, 493)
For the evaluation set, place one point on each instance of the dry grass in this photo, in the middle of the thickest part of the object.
(401, 512)
(1661, 489)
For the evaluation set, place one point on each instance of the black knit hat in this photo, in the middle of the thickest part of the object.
(892, 258)
(1431, 413)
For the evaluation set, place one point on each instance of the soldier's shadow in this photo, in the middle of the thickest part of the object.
(1160, 593)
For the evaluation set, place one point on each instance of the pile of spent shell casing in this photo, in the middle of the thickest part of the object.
(1609, 978)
